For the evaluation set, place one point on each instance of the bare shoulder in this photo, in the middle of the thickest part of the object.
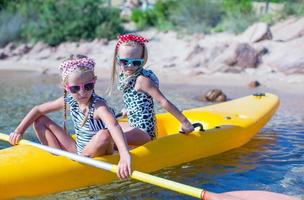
(100, 104)
(102, 110)
(141, 78)
(143, 82)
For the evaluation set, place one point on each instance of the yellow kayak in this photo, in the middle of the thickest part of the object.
(27, 171)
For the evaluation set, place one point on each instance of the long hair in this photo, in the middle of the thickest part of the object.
(64, 81)
(114, 68)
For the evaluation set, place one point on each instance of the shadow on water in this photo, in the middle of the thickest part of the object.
(272, 160)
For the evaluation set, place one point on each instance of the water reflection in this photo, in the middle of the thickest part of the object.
(273, 160)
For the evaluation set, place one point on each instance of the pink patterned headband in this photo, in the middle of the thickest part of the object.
(69, 66)
(130, 37)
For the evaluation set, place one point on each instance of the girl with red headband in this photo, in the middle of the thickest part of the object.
(139, 87)
(94, 123)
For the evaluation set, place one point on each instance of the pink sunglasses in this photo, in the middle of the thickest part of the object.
(85, 86)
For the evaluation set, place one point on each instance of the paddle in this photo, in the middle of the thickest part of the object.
(161, 182)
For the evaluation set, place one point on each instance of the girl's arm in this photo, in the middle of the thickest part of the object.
(145, 84)
(124, 165)
(33, 115)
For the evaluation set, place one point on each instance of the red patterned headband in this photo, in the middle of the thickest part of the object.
(71, 65)
(130, 37)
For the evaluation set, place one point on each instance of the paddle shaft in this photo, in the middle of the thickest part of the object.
(147, 178)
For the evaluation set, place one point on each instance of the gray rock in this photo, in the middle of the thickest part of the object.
(214, 95)
(38, 47)
(22, 50)
(286, 57)
(3, 55)
(256, 33)
(254, 84)
(246, 56)
(288, 30)
(197, 49)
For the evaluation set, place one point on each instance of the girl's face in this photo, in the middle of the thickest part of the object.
(131, 53)
(80, 85)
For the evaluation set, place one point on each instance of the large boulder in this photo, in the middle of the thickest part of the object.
(40, 51)
(286, 57)
(289, 29)
(3, 55)
(246, 56)
(22, 50)
(65, 49)
(256, 33)
(38, 47)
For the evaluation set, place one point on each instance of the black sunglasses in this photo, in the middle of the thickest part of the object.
(85, 86)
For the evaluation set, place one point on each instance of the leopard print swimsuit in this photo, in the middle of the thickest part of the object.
(139, 105)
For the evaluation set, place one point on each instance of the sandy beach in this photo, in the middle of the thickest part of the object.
(288, 88)
(193, 62)
(289, 84)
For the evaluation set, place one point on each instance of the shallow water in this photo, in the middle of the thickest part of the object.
(273, 160)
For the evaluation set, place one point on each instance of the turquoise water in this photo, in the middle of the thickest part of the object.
(273, 160)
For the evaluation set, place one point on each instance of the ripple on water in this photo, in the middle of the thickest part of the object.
(273, 160)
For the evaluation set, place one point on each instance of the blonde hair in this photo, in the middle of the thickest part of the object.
(114, 69)
(65, 80)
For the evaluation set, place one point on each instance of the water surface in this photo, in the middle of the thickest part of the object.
(273, 160)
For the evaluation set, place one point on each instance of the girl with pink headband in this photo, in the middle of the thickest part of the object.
(94, 124)
(140, 87)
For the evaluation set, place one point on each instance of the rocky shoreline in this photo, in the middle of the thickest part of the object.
(272, 56)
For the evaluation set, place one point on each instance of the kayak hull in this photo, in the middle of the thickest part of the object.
(26, 171)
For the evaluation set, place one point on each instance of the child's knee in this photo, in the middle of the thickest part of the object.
(39, 122)
(103, 140)
(103, 135)
(100, 144)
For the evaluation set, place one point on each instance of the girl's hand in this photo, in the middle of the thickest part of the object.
(187, 127)
(14, 138)
(124, 166)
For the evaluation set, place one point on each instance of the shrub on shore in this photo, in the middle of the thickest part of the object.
(211, 16)
(10, 26)
(195, 15)
(158, 16)
(54, 21)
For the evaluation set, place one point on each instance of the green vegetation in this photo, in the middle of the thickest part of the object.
(194, 15)
(211, 15)
(10, 26)
(237, 16)
(197, 16)
(55, 21)
(296, 8)
(158, 16)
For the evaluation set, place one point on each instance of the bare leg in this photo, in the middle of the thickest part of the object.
(49, 133)
(100, 144)
(134, 136)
